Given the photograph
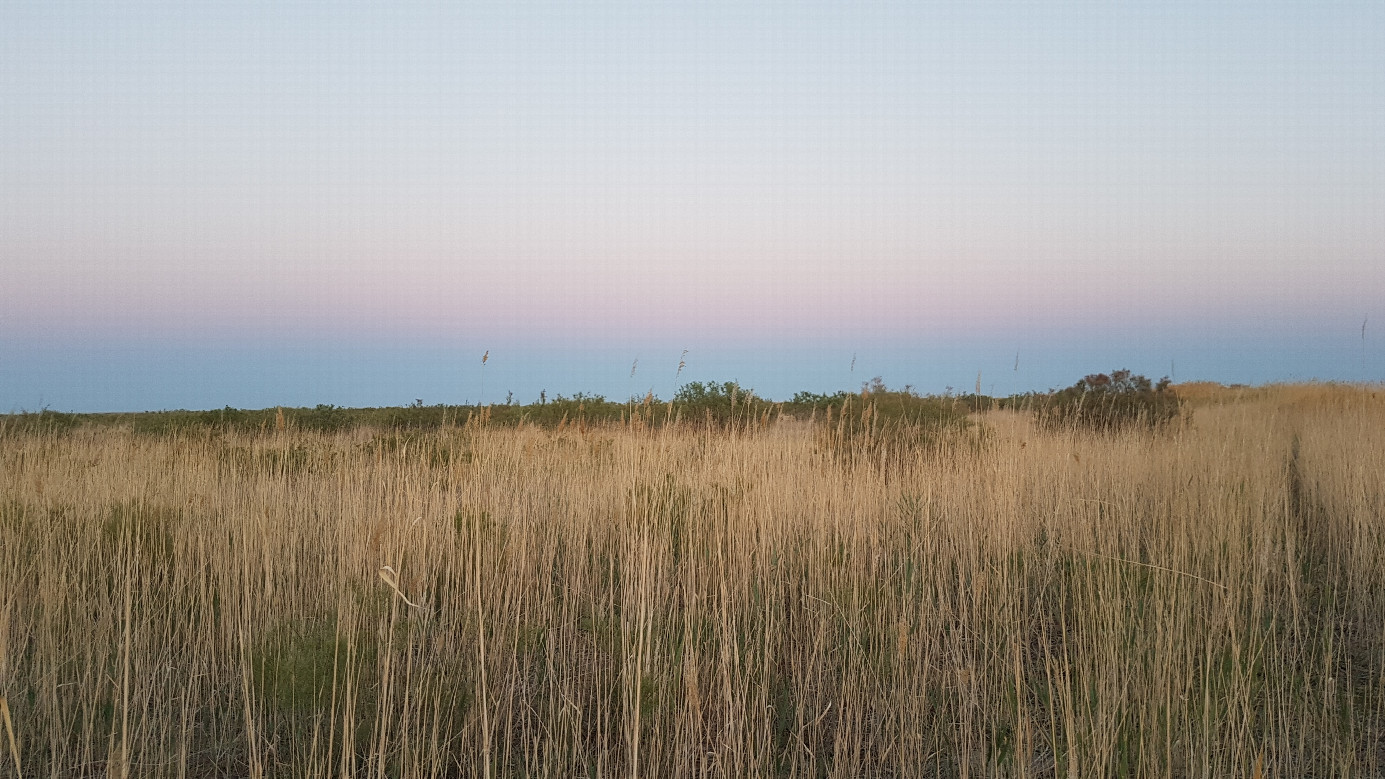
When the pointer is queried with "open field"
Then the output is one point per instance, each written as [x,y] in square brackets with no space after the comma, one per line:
[778,599]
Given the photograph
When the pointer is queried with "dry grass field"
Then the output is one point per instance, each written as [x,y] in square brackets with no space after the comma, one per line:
[611,601]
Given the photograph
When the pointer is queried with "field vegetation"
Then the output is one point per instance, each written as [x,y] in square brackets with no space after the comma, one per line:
[862,585]
[724,405]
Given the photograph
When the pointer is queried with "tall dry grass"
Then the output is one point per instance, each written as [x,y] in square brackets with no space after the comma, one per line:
[1005,601]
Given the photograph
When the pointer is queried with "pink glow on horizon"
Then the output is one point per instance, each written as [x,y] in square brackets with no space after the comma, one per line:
[758,303]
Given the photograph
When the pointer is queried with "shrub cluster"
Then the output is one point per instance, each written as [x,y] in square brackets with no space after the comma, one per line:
[1116,401]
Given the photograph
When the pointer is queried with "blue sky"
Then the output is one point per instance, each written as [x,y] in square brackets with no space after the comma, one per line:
[301,203]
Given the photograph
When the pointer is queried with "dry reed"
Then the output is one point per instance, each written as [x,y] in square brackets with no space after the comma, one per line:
[632,601]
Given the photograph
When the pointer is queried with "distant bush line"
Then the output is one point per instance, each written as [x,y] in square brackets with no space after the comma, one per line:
[1098,401]
[718,404]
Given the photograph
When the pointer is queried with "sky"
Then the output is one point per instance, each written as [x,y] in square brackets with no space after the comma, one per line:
[290,203]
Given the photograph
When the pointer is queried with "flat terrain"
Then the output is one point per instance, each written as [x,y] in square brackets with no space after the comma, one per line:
[778,599]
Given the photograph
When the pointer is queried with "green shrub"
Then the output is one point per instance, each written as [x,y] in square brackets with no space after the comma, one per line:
[819,399]
[1117,401]
[40,422]
[727,403]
